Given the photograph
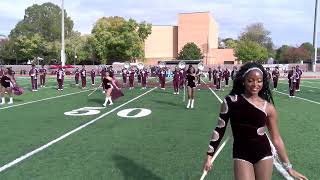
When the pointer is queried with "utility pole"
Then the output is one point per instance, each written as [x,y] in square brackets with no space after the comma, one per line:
[314,63]
[63,55]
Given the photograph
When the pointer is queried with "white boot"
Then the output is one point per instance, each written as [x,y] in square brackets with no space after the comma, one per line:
[192,103]
[189,101]
[11,100]
[3,101]
[106,101]
[110,100]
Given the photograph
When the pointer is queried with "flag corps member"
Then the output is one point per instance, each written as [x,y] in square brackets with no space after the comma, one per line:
[112,91]
[6,86]
[33,73]
[83,74]
[191,85]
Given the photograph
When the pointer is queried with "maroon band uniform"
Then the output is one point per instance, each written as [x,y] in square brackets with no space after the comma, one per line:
[292,76]
[162,78]
[76,76]
[83,74]
[182,74]
[218,77]
[144,77]
[93,76]
[176,81]
[124,75]
[299,73]
[275,77]
[33,73]
[226,75]
[131,78]
[43,73]
[210,74]
[60,79]
[139,76]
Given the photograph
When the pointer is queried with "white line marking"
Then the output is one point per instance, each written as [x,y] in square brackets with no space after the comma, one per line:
[16,105]
[21,158]
[298,97]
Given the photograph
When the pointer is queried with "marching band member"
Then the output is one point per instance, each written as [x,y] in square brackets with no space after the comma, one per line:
[299,71]
[109,85]
[43,73]
[131,77]
[33,73]
[6,86]
[60,78]
[226,76]
[234,72]
[83,74]
[144,77]
[138,72]
[76,76]
[124,76]
[162,78]
[103,74]
[218,77]
[214,74]
[198,73]
[250,110]
[191,79]
[275,77]
[93,77]
[176,80]
[210,74]
[293,76]
[182,74]
[111,72]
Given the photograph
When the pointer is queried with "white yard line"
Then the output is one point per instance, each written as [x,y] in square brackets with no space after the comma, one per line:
[315,102]
[43,147]
[45,99]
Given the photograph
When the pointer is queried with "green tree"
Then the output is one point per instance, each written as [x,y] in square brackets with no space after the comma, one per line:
[190,51]
[280,53]
[258,33]
[230,43]
[44,20]
[28,48]
[251,51]
[309,47]
[295,55]
[117,39]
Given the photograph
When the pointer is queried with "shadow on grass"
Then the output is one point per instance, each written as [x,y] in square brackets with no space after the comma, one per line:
[132,170]
[175,104]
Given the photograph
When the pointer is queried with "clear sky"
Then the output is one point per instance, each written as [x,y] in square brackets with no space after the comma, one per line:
[290,21]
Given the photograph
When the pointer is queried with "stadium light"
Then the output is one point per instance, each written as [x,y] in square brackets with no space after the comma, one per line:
[314,64]
[63,55]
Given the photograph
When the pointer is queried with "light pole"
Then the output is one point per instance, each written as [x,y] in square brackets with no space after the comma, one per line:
[314,64]
[63,55]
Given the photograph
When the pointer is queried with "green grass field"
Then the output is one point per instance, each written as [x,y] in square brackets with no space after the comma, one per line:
[168,144]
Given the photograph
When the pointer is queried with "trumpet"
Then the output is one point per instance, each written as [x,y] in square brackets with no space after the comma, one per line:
[162,64]
[182,64]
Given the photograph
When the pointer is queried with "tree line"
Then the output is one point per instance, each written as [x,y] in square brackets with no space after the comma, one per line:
[38,36]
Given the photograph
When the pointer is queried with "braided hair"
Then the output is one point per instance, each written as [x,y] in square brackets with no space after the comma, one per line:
[238,83]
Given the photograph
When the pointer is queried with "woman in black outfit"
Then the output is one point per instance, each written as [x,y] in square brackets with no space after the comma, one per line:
[250,110]
[6,86]
[191,79]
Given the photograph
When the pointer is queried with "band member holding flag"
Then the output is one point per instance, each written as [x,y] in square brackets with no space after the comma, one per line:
[176,80]
[6,86]
[275,77]
[249,108]
[191,79]
[43,73]
[33,73]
